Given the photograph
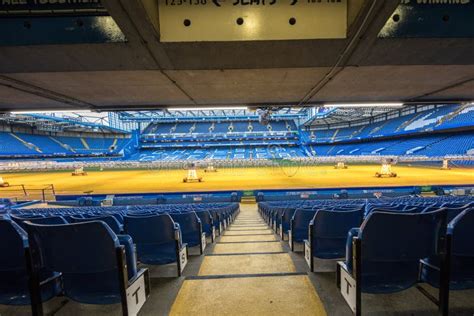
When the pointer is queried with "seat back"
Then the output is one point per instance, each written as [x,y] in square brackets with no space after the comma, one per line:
[45,220]
[455,211]
[300,224]
[206,221]
[462,228]
[401,237]
[74,248]
[190,226]
[13,241]
[154,237]
[51,220]
[330,230]
[85,254]
[108,219]
[286,218]
[392,245]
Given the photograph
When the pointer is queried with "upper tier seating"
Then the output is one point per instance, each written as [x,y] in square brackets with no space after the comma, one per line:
[436,145]
[32,145]
[434,119]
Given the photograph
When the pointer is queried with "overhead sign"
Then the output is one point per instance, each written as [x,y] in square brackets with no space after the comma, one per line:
[250,20]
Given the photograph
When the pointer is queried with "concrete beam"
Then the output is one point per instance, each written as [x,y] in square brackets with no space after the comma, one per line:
[141,29]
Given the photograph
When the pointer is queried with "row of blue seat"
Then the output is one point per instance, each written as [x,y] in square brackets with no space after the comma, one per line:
[402,242]
[83,253]
[292,218]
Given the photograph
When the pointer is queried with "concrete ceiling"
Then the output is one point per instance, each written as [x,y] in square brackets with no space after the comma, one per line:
[146,73]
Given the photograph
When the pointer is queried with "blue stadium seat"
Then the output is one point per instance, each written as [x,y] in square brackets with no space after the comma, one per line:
[13,269]
[328,234]
[44,220]
[158,240]
[299,226]
[91,262]
[383,256]
[207,224]
[191,229]
[460,231]
[110,220]
[286,217]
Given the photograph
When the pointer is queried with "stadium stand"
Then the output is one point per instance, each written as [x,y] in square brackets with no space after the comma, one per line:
[236,158]
[433,131]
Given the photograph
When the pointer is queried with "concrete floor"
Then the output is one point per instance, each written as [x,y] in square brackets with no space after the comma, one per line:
[249,282]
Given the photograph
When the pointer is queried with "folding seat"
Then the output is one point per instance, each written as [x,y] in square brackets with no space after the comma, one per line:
[207,224]
[383,255]
[275,219]
[113,223]
[299,226]
[218,227]
[285,221]
[91,263]
[13,269]
[328,234]
[461,259]
[158,240]
[50,220]
[455,211]
[191,229]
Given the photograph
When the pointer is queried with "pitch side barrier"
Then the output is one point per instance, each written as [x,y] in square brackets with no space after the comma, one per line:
[25,166]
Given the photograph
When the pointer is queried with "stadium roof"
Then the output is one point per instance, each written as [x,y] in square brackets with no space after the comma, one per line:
[426,59]
[347,114]
[356,115]
[218,113]
[50,123]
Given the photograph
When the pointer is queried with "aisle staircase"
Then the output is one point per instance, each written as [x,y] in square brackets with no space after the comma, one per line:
[408,122]
[85,144]
[249,271]
[27,144]
[63,145]
[249,199]
[334,135]
[357,132]
[378,128]
[452,115]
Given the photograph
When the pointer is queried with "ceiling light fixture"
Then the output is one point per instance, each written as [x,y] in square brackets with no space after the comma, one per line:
[208,108]
[364,105]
